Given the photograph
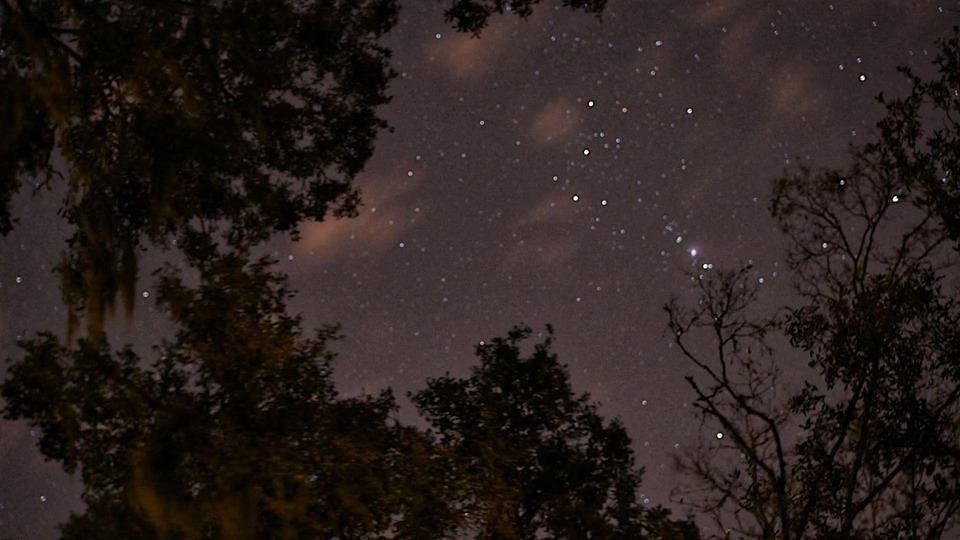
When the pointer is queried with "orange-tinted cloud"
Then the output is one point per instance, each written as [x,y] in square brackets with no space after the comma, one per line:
[711,12]
[554,119]
[543,247]
[556,252]
[541,252]
[551,208]
[382,220]
[469,57]
[794,91]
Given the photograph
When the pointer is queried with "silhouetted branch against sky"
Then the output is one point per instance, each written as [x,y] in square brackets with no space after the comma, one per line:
[869,445]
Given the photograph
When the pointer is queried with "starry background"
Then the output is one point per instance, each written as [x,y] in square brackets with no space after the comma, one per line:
[560,169]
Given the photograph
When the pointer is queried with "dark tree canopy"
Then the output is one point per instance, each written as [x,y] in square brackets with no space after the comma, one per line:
[920,138]
[233,430]
[538,459]
[473,15]
[240,118]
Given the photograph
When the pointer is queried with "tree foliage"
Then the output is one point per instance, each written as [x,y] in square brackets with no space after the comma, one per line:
[538,459]
[233,430]
[920,138]
[238,117]
[210,126]
[869,447]
[473,15]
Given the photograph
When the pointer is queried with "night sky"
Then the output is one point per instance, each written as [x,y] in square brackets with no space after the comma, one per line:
[560,169]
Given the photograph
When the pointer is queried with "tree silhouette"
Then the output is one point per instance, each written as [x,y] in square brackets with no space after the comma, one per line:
[870,445]
[238,118]
[233,430]
[919,136]
[172,118]
[537,459]
[473,15]
[208,127]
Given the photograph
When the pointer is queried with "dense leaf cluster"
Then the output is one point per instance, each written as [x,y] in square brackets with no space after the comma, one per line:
[473,15]
[538,459]
[164,120]
[234,430]
[238,119]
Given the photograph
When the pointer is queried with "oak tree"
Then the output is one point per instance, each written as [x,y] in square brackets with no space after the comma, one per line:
[233,429]
[537,458]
